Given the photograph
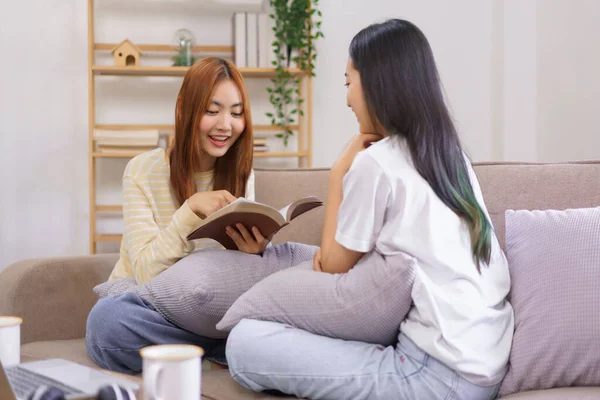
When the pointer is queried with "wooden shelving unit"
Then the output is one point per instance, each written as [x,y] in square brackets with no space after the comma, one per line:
[108,237]
[303,129]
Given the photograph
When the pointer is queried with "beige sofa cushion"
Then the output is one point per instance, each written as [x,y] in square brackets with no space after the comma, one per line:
[72,350]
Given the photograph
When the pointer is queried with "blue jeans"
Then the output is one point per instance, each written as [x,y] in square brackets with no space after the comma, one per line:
[119,327]
[265,356]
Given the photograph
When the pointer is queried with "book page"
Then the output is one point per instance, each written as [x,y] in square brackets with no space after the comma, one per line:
[284,211]
[299,207]
[242,200]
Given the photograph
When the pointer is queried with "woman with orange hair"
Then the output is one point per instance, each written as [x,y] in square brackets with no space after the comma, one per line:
[166,195]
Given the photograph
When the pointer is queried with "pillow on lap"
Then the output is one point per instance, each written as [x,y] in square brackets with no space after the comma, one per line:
[367,303]
[195,292]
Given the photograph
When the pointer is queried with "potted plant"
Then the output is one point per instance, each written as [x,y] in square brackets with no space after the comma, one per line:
[296,28]
[185,40]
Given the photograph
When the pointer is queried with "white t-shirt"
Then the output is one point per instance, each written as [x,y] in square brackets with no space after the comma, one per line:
[459,317]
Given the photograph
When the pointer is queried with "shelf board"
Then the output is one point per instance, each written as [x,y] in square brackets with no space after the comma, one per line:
[281,154]
[204,8]
[171,128]
[108,237]
[107,208]
[272,128]
[167,48]
[181,71]
[134,127]
[119,154]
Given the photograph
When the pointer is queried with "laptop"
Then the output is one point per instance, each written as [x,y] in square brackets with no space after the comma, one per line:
[17,382]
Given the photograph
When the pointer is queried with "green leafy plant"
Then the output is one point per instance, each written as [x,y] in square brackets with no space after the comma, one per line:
[296,26]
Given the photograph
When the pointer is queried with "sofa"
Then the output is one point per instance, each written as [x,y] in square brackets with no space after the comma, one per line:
[54,295]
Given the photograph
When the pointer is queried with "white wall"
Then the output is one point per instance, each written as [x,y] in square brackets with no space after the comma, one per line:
[520,77]
[460,35]
[517,107]
[43,121]
[568,80]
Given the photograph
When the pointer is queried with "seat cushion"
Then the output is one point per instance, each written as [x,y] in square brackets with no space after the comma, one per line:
[71,350]
[572,393]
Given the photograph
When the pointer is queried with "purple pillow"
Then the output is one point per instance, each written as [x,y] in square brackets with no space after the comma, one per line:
[554,260]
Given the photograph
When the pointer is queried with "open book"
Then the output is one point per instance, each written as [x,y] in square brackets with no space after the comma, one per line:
[267,219]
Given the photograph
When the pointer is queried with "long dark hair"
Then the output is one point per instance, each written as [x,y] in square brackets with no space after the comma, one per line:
[232,171]
[404,96]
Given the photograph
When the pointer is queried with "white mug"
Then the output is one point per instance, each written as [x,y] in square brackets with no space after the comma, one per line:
[10,340]
[172,371]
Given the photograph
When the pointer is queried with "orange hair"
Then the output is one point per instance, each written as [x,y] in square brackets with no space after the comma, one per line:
[233,169]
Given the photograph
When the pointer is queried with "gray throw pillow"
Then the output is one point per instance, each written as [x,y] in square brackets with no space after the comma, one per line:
[554,261]
[367,303]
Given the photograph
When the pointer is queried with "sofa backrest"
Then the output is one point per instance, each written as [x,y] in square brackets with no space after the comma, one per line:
[505,186]
[537,186]
[280,187]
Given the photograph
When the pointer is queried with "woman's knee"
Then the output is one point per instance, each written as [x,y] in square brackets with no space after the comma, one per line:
[248,332]
[108,340]
[97,329]
[104,321]
[113,322]
[251,340]
[241,351]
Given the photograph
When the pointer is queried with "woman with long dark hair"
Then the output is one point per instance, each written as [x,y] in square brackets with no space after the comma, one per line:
[405,185]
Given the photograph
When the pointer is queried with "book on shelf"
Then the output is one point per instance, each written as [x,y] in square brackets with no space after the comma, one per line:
[126,133]
[259,141]
[120,136]
[261,149]
[264,45]
[267,219]
[122,149]
[251,40]
[239,39]
[106,137]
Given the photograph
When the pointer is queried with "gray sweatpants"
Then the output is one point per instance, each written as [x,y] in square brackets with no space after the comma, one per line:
[271,356]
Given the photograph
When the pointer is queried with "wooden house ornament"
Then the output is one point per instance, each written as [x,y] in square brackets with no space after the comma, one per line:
[126,54]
